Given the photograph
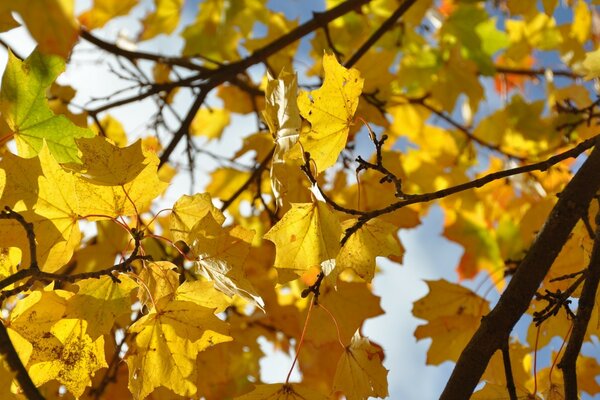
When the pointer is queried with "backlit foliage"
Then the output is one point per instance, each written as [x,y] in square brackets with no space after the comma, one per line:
[364,116]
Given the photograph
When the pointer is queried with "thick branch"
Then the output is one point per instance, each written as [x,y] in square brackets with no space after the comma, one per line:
[497,325]
[584,312]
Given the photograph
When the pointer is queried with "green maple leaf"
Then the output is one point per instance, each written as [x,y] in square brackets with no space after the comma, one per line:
[24,107]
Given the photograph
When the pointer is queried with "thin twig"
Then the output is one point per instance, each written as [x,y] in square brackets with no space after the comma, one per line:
[385,26]
[476,183]
[254,176]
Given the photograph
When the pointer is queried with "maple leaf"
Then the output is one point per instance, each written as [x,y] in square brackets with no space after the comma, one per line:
[220,253]
[351,303]
[330,111]
[187,211]
[282,391]
[163,20]
[45,195]
[51,23]
[166,345]
[103,11]
[481,247]
[204,294]
[454,314]
[130,198]
[74,360]
[375,238]
[62,349]
[24,107]
[306,236]
[360,372]
[283,118]
[105,164]
[210,123]
[100,301]
[160,279]
[591,64]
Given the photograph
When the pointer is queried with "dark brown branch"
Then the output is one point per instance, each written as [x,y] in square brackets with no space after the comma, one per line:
[227,72]
[315,288]
[6,347]
[254,176]
[183,128]
[11,357]
[510,381]
[426,197]
[36,275]
[584,312]
[556,301]
[497,325]
[139,55]
[535,72]
[8,213]
[308,172]
[385,26]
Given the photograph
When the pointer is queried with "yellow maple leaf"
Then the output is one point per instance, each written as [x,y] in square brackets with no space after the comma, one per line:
[163,20]
[330,110]
[204,294]
[306,236]
[220,254]
[282,391]
[360,372]
[454,314]
[44,194]
[72,361]
[373,239]
[166,345]
[62,349]
[125,199]
[351,303]
[108,165]
[481,248]
[100,301]
[105,10]
[159,279]
[187,211]
[9,261]
[283,118]
[51,23]
[210,123]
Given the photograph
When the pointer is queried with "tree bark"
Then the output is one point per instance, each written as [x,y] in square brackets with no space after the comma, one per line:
[498,324]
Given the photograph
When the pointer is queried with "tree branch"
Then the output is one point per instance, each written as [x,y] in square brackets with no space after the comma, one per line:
[584,312]
[426,197]
[14,362]
[227,72]
[510,382]
[513,303]
[255,174]
[385,26]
